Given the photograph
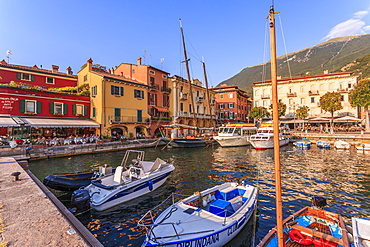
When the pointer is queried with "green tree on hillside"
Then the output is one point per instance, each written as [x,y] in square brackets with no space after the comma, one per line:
[360,96]
[281,109]
[258,113]
[331,102]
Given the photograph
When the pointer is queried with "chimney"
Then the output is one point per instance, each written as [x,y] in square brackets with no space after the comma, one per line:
[55,68]
[89,63]
[69,70]
[139,61]
[326,71]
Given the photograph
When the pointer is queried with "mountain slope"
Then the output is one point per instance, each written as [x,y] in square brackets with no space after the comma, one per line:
[331,55]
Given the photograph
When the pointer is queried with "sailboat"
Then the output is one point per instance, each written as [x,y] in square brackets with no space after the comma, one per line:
[310,226]
[179,138]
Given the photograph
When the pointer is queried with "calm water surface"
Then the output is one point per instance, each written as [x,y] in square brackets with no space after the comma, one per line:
[340,176]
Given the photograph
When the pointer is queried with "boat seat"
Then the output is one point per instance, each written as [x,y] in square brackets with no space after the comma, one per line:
[157,164]
[118,175]
[236,202]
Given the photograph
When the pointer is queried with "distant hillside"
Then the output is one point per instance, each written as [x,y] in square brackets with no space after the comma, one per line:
[336,54]
[360,66]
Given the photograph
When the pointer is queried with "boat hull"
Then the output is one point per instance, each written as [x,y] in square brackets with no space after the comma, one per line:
[363,146]
[232,141]
[186,143]
[342,145]
[267,144]
[361,234]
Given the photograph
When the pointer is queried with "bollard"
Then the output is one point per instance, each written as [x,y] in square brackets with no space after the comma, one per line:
[15,176]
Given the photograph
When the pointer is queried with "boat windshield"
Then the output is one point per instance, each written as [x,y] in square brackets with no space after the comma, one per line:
[237,132]
[266,131]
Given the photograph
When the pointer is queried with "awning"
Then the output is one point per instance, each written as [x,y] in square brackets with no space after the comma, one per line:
[59,122]
[161,109]
[7,122]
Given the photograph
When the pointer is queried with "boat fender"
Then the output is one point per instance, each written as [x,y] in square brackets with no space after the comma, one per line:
[297,236]
[190,204]
[150,184]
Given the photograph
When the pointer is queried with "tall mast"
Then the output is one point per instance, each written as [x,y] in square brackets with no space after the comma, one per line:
[207,91]
[188,73]
[275,118]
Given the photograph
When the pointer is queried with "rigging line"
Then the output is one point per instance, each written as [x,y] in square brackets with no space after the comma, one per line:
[286,53]
[264,62]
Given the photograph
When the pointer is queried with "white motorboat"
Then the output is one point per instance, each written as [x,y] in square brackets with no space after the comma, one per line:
[127,182]
[264,139]
[233,135]
[341,145]
[361,232]
[363,146]
[208,218]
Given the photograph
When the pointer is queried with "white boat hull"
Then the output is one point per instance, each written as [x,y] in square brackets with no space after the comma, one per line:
[361,233]
[232,141]
[267,144]
[341,145]
[364,146]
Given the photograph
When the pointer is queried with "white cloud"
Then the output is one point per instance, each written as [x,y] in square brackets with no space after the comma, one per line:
[352,26]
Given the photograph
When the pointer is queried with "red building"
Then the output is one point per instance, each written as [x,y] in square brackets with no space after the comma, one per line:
[232,104]
[31,106]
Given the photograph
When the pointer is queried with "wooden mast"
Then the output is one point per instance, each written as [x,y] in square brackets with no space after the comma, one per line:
[188,73]
[275,118]
[207,91]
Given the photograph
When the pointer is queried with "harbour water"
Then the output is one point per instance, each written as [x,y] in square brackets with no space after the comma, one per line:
[343,177]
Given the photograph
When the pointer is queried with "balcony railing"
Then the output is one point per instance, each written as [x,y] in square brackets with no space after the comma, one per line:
[161,118]
[315,92]
[183,96]
[342,90]
[166,90]
[154,87]
[292,94]
[125,119]
[265,97]
[199,99]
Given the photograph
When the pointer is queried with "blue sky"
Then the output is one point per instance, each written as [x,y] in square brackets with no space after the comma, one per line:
[230,35]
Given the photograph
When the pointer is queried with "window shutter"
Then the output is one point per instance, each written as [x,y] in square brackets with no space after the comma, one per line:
[51,108]
[142,94]
[22,105]
[65,108]
[94,112]
[121,91]
[112,90]
[85,110]
[19,76]
[32,77]
[73,109]
[38,107]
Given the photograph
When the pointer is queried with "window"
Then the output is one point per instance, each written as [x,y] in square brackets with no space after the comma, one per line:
[49,80]
[152,99]
[117,114]
[256,104]
[139,94]
[116,90]
[93,112]
[26,77]
[291,102]
[231,105]
[221,96]
[222,115]
[152,80]
[182,107]
[231,115]
[152,72]
[221,106]
[58,108]
[164,76]
[79,109]
[190,108]
[264,103]
[349,85]
[85,78]
[166,100]
[30,106]
[313,100]
[94,91]
[231,95]
[302,101]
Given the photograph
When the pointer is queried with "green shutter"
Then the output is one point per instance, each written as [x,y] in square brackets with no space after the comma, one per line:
[22,105]
[142,94]
[73,109]
[139,116]
[32,77]
[112,90]
[19,76]
[94,112]
[51,108]
[38,106]
[121,91]
[85,110]
[65,109]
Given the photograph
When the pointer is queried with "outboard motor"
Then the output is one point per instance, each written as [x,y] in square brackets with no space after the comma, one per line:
[319,202]
[81,200]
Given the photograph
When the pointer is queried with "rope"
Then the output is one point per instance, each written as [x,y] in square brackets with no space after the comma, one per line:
[167,144]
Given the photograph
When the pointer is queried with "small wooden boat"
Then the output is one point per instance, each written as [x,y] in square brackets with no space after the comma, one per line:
[129,181]
[341,145]
[323,144]
[303,143]
[361,232]
[208,218]
[311,226]
[74,181]
[363,146]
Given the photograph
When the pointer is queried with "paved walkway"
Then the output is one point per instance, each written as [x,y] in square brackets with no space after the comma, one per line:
[30,218]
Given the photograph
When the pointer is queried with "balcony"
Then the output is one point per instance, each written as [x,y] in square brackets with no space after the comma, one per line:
[154,87]
[199,100]
[291,94]
[164,119]
[127,120]
[183,96]
[213,102]
[342,90]
[166,90]
[312,93]
[266,97]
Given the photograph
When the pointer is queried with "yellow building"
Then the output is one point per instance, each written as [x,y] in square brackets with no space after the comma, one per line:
[182,110]
[119,104]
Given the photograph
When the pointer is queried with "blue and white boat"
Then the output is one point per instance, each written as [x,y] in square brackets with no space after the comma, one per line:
[361,232]
[302,143]
[130,180]
[323,144]
[208,218]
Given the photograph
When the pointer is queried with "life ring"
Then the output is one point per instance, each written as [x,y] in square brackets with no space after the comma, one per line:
[297,236]
[190,204]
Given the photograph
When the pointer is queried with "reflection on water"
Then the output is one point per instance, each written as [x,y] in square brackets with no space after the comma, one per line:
[340,176]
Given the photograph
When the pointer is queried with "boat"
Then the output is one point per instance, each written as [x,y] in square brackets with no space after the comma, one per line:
[342,145]
[310,226]
[302,143]
[232,135]
[363,146]
[73,181]
[323,144]
[361,233]
[208,218]
[130,180]
[264,139]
